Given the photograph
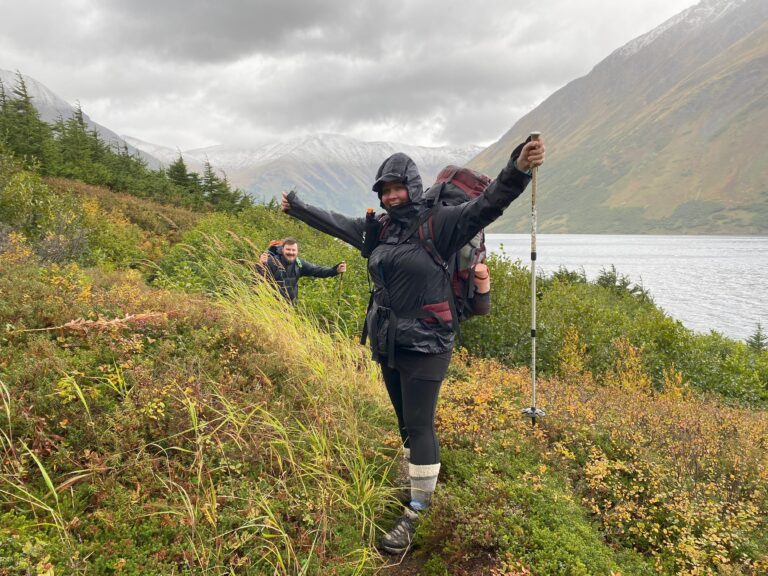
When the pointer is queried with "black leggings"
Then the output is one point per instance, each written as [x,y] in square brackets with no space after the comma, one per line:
[413,386]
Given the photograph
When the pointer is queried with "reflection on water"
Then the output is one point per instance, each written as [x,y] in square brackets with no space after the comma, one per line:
[707,282]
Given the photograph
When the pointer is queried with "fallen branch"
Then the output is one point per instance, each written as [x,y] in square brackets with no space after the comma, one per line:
[83,326]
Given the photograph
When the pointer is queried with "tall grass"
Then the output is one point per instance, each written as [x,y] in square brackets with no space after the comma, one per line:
[285,474]
[324,446]
[14,466]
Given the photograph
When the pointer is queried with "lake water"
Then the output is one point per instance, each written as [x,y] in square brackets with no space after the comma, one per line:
[707,282]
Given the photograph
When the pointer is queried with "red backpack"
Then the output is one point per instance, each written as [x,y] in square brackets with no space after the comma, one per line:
[467,180]
[455,185]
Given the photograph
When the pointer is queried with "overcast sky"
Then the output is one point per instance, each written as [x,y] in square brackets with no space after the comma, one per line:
[194,73]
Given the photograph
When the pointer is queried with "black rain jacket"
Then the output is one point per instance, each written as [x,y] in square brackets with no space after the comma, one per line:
[286,275]
[412,300]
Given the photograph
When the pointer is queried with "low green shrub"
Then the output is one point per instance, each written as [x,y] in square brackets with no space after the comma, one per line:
[65,227]
[602,313]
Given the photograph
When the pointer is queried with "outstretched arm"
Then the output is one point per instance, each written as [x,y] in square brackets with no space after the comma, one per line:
[457,225]
[349,230]
[317,271]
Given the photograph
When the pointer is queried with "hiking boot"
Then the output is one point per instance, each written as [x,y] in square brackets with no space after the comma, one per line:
[399,539]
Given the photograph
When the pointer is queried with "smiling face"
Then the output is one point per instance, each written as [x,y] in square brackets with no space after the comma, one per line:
[290,252]
[393,194]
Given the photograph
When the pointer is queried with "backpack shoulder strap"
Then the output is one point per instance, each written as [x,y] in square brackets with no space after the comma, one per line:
[433,193]
[427,238]
[384,222]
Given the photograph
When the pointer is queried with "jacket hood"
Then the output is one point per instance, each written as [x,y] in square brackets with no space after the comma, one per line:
[400,168]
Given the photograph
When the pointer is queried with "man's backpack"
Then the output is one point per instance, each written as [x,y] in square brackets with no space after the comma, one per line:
[453,186]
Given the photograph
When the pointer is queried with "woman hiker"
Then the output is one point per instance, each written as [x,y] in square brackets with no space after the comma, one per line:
[410,322]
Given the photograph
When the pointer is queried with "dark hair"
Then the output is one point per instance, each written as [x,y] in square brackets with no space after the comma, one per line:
[290,241]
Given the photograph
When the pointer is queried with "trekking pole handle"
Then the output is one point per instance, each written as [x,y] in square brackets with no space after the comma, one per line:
[534,136]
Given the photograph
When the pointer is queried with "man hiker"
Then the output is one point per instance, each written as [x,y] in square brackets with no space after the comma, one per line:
[281,262]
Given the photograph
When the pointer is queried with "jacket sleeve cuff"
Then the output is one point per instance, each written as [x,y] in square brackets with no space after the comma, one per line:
[292,198]
[513,177]
[529,172]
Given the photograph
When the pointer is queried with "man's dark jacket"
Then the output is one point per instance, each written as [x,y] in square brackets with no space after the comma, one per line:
[412,298]
[286,275]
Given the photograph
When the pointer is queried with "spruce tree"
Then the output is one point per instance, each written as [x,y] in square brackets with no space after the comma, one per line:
[187,182]
[210,181]
[3,111]
[219,193]
[25,132]
[178,174]
[74,142]
[758,340]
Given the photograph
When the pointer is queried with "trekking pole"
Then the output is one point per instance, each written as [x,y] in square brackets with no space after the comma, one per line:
[533,412]
[338,297]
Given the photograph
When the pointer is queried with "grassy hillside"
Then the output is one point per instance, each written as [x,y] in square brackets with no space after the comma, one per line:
[163,413]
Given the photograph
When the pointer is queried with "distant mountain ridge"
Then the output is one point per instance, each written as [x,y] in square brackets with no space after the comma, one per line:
[666,135]
[329,170]
[51,107]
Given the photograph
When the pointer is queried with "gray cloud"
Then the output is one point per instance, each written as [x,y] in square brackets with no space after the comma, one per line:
[191,73]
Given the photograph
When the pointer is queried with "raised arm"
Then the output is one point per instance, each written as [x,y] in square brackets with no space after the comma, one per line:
[317,271]
[267,265]
[349,230]
[457,225]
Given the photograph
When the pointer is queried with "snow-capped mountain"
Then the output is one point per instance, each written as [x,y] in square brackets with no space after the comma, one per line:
[665,135]
[329,170]
[329,148]
[51,107]
[165,156]
[698,15]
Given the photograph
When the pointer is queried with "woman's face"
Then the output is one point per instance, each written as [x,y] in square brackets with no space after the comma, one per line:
[393,194]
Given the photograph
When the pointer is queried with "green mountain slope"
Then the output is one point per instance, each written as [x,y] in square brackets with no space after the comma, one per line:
[666,135]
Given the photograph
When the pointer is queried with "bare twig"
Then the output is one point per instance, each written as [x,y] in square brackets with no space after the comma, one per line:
[84,326]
